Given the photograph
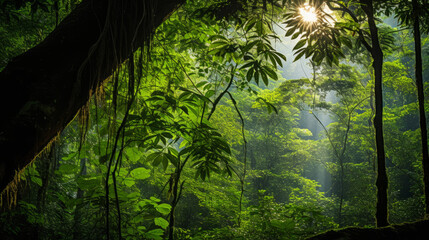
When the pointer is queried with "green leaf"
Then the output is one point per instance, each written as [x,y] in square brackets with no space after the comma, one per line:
[155,158]
[280,55]
[173,159]
[129,182]
[154,199]
[161,222]
[133,154]
[247,65]
[167,135]
[271,73]
[256,76]
[295,35]
[133,196]
[68,169]
[185,150]
[140,173]
[86,183]
[277,56]
[219,44]
[300,44]
[185,94]
[200,84]
[264,77]
[347,42]
[209,93]
[273,60]
[217,37]
[271,107]
[164,161]
[249,74]
[249,46]
[290,32]
[155,234]
[36,180]
[299,56]
[184,109]
[249,25]
[163,208]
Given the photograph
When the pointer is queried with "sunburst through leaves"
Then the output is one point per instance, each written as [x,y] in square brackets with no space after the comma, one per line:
[308,13]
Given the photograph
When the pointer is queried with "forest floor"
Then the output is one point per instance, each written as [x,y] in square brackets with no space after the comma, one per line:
[406,231]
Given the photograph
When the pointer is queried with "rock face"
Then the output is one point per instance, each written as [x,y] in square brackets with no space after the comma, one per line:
[406,231]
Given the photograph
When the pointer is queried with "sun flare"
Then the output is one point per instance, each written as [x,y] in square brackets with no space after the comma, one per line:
[308,13]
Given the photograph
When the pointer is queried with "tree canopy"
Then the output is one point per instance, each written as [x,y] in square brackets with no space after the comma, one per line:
[226,119]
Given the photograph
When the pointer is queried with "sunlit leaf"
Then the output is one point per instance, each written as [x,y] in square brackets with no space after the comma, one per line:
[140,173]
[161,222]
[163,208]
[300,44]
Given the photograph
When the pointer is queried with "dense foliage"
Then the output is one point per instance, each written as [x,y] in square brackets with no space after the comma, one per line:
[212,133]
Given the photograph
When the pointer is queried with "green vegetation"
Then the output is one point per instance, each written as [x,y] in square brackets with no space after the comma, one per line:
[211,131]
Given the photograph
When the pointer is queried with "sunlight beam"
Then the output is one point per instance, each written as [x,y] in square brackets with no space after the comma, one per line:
[308,13]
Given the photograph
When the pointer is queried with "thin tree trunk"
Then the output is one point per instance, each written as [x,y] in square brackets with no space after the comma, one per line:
[421,98]
[175,181]
[377,56]
[341,161]
[43,89]
[176,193]
[78,211]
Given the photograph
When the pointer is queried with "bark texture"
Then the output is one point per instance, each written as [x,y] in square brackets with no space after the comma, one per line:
[381,214]
[421,98]
[43,89]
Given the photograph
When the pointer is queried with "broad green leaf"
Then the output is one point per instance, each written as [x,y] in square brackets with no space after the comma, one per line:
[249,45]
[167,135]
[271,73]
[87,183]
[133,195]
[133,154]
[164,161]
[185,150]
[209,93]
[155,234]
[163,208]
[129,182]
[155,158]
[161,222]
[140,173]
[36,180]
[173,159]
[69,169]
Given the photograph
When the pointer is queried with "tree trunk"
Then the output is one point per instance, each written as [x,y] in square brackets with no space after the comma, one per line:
[44,88]
[77,218]
[377,56]
[421,98]
[175,182]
